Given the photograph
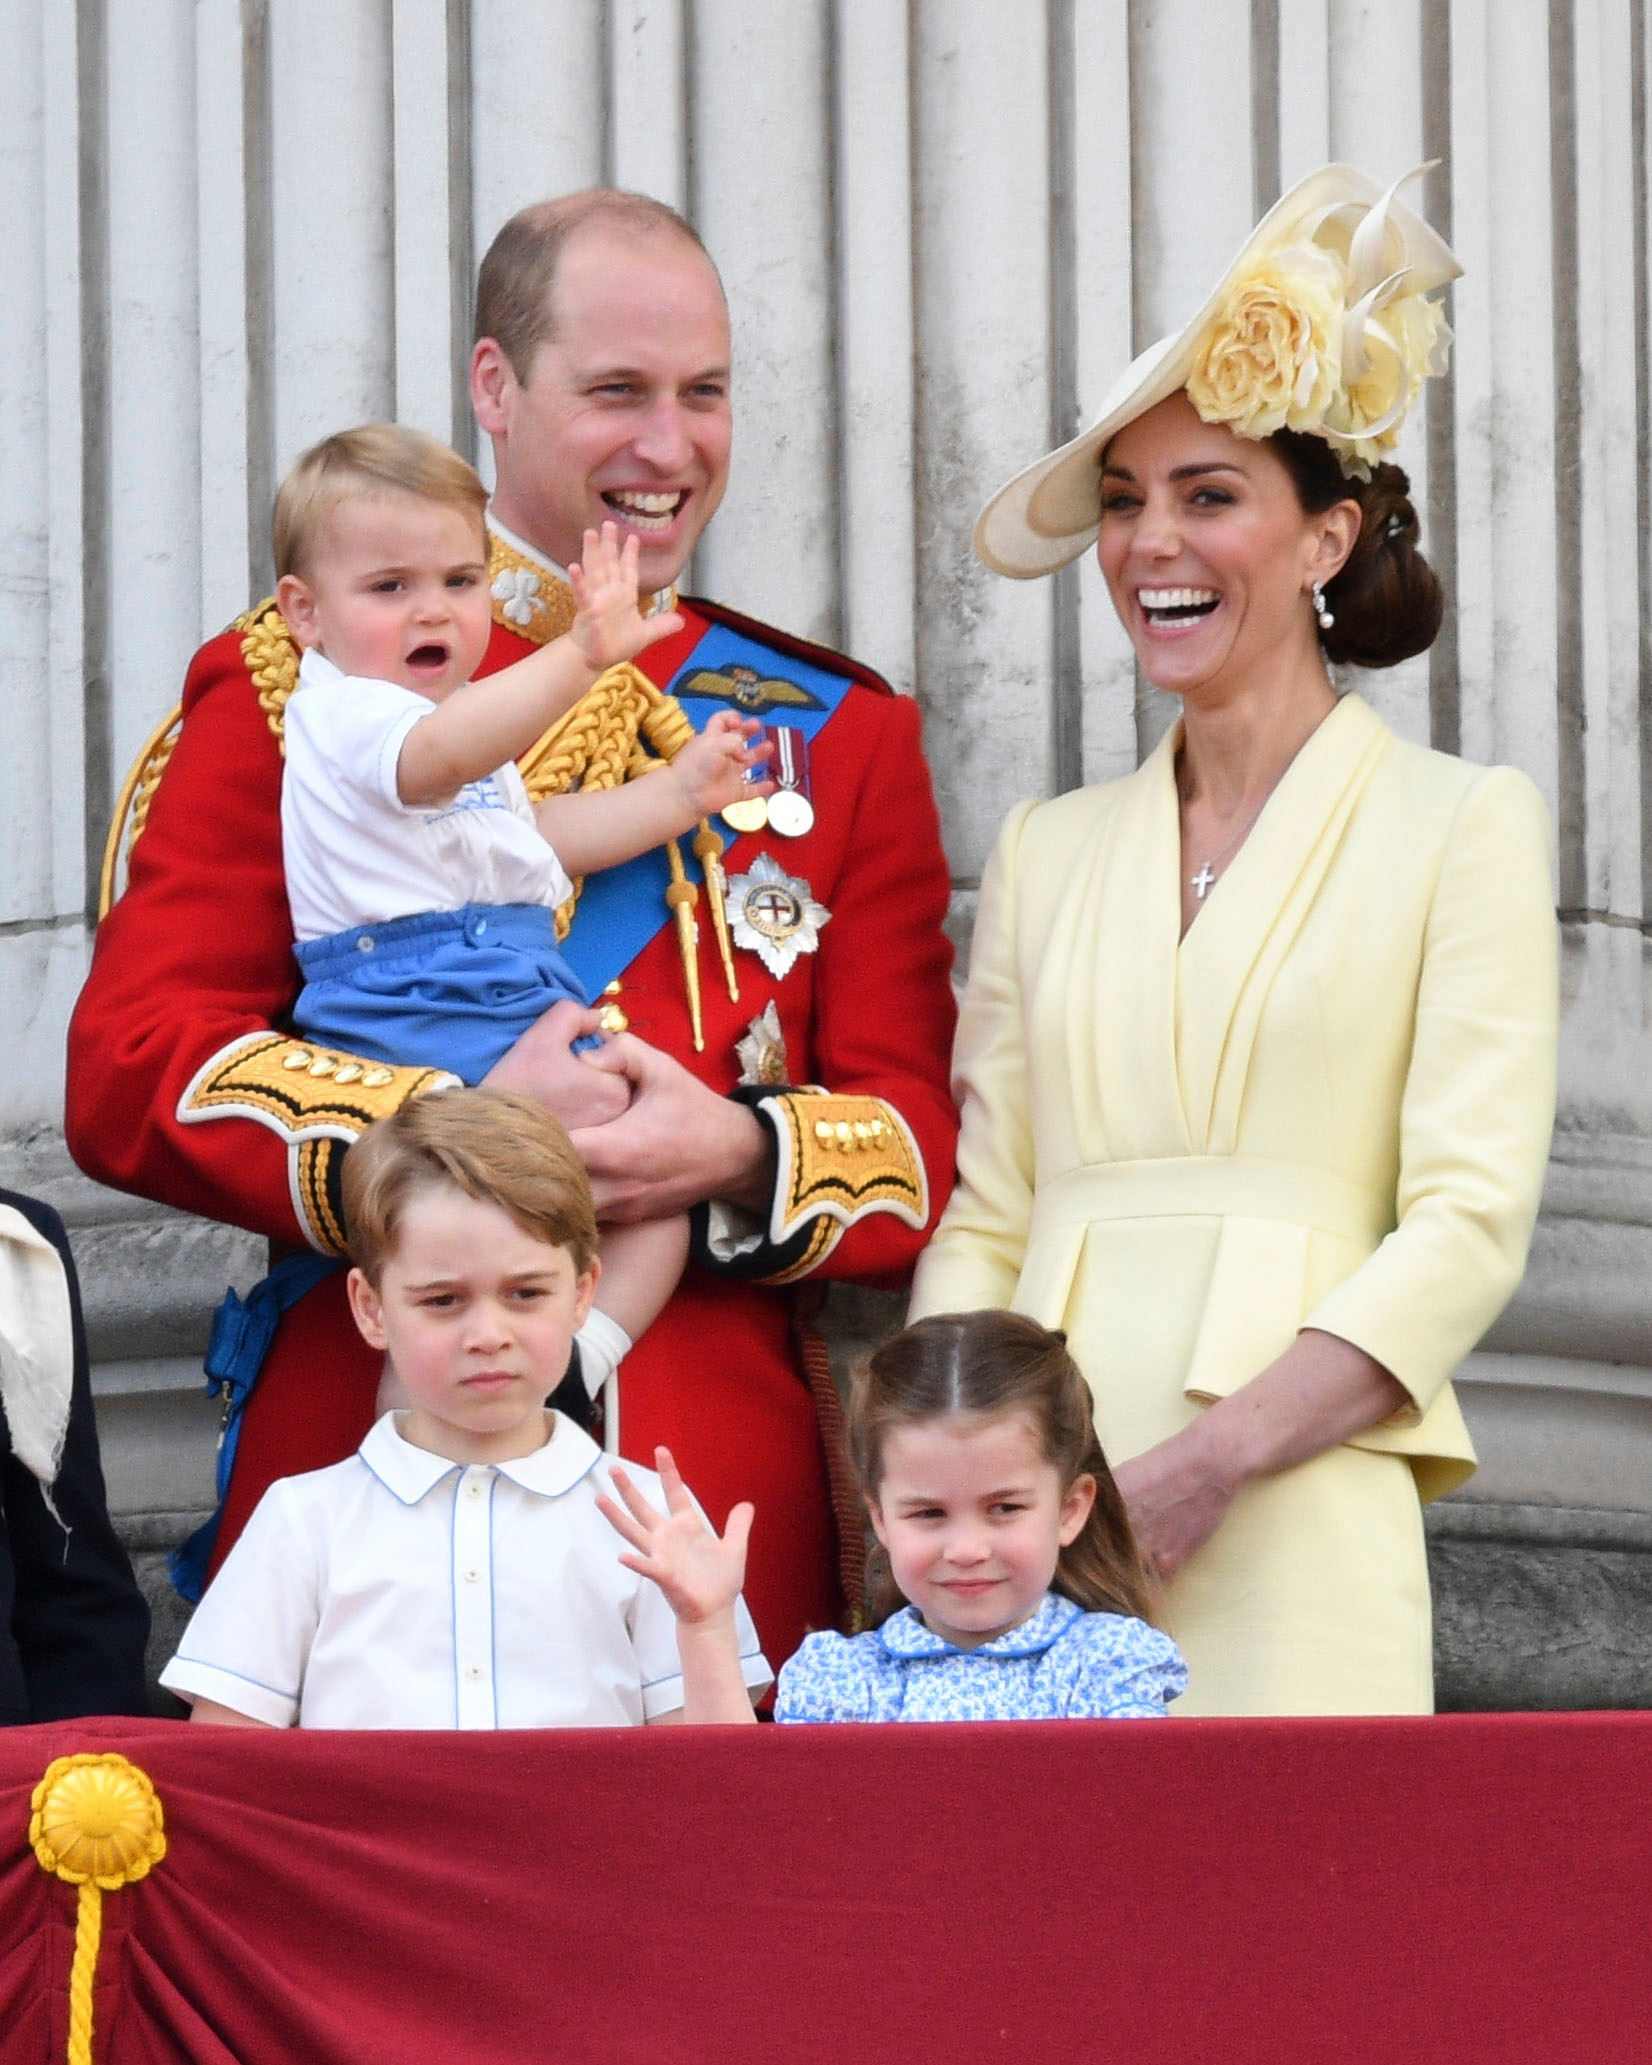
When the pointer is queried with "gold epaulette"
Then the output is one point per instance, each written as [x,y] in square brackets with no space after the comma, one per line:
[317,1099]
[132,804]
[271,657]
[840,1159]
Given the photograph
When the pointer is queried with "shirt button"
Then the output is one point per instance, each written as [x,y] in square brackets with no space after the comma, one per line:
[473,1490]
[473,1670]
[472,1576]
[366,943]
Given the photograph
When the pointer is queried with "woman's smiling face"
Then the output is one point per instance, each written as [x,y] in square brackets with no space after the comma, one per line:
[1208,553]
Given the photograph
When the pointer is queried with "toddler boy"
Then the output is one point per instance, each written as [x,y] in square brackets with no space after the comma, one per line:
[458,1571]
[423,884]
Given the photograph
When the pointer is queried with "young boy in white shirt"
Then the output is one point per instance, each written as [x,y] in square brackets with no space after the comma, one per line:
[458,1570]
[423,884]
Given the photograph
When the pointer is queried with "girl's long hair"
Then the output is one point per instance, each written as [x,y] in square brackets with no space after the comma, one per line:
[984,1365]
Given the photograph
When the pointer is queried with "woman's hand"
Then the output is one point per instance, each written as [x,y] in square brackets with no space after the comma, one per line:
[1321,1391]
[1175,1503]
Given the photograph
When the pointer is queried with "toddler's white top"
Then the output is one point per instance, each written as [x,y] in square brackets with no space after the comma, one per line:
[398,1589]
[355,854]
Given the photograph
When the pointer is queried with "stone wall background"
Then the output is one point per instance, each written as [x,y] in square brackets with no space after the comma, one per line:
[234,225]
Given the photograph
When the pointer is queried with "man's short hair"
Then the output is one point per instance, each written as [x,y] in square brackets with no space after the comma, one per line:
[366,461]
[515,288]
[497,1147]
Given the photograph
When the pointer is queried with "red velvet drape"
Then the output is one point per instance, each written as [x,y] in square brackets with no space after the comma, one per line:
[1466,1889]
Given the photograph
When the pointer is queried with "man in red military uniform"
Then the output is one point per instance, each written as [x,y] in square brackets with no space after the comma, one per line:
[807,1118]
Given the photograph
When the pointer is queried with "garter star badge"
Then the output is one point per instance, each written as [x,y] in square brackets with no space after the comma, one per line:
[774,915]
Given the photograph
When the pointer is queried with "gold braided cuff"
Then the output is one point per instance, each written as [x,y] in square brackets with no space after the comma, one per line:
[316,1099]
[840,1159]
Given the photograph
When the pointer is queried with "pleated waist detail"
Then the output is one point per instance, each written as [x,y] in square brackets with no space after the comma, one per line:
[1212,1186]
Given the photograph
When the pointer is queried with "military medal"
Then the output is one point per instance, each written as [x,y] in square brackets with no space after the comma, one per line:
[774,915]
[791,814]
[750,814]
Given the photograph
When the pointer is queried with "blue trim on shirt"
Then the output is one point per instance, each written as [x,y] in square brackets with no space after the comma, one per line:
[379,1477]
[493,1599]
[453,1592]
[223,1670]
[1031,1637]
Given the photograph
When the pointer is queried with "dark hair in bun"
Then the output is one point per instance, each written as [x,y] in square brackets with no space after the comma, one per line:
[1386,600]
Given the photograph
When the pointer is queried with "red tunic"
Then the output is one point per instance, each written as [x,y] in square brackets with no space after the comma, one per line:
[171,1093]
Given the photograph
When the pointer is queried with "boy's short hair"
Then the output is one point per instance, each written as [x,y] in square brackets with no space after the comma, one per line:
[366,461]
[492,1145]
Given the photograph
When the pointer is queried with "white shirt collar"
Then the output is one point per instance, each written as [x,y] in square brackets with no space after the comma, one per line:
[529,552]
[314,667]
[409,1473]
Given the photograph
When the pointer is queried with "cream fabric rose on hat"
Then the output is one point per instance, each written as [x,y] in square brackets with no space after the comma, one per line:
[1397,352]
[1270,359]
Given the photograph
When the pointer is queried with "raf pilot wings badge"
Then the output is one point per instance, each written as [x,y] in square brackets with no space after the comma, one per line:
[747,690]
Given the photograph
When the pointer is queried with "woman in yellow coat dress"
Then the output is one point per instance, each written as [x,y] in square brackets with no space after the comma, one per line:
[1257,1057]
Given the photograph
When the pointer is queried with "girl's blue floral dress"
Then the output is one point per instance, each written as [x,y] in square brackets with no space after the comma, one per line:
[1062,1664]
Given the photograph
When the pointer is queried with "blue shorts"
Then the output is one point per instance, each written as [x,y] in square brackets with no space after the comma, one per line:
[443,989]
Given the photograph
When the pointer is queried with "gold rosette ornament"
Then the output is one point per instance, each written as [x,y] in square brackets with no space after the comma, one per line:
[96,1823]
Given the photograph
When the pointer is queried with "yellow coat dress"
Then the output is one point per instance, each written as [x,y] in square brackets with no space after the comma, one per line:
[1328,1106]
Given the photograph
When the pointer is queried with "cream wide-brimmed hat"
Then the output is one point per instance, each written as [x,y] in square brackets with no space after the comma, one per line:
[1320,324]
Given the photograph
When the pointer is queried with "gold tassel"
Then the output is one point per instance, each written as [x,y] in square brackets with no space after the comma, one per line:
[708,851]
[682,896]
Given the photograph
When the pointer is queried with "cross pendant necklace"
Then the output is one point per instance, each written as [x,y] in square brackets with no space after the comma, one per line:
[1205,880]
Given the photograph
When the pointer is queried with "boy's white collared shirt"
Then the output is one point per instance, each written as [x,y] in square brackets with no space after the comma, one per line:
[398,1589]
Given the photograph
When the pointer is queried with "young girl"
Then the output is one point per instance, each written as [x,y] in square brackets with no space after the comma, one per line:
[998,1523]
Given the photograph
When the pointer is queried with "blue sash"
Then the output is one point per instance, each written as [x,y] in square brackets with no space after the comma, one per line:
[622,908]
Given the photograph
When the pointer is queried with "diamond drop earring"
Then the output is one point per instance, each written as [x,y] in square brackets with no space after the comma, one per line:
[1322,609]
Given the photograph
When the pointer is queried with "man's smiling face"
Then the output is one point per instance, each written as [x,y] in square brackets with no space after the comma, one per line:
[624,416]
